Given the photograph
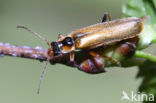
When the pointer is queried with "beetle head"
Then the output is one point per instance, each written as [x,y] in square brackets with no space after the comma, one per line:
[56,49]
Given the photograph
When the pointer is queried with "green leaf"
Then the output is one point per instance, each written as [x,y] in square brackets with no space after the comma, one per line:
[147,37]
[139,8]
[150,10]
[143,8]
[147,70]
[134,8]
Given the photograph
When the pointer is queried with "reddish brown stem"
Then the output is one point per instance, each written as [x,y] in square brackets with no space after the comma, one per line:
[24,51]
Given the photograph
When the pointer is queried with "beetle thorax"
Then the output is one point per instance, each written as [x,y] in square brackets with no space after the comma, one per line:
[66,45]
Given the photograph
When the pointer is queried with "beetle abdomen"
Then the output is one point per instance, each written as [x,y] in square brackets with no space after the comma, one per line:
[111,32]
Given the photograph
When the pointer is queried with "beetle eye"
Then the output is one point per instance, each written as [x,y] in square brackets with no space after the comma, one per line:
[67,41]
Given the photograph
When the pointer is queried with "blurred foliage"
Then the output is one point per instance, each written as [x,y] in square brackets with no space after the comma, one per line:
[147,71]
[147,9]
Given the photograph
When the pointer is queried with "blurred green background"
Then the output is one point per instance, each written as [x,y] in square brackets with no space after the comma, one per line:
[19,77]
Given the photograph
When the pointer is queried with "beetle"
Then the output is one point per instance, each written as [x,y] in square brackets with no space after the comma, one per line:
[105,33]
[102,34]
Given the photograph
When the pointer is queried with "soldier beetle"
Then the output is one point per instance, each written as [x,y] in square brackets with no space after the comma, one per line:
[98,35]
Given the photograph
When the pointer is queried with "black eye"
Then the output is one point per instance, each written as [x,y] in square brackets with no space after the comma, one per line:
[67,41]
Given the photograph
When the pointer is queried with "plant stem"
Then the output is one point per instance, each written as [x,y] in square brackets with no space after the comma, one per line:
[24,52]
[141,54]
[154,40]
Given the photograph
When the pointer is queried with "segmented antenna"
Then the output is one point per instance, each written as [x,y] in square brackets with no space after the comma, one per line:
[41,77]
[36,34]
[45,67]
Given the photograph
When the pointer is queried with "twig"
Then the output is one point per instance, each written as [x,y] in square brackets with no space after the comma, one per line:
[24,51]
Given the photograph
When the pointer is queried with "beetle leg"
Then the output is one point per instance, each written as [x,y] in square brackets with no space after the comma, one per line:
[72,57]
[111,59]
[106,17]
[60,36]
[93,54]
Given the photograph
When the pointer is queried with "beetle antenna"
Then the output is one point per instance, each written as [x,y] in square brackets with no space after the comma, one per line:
[41,77]
[36,34]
